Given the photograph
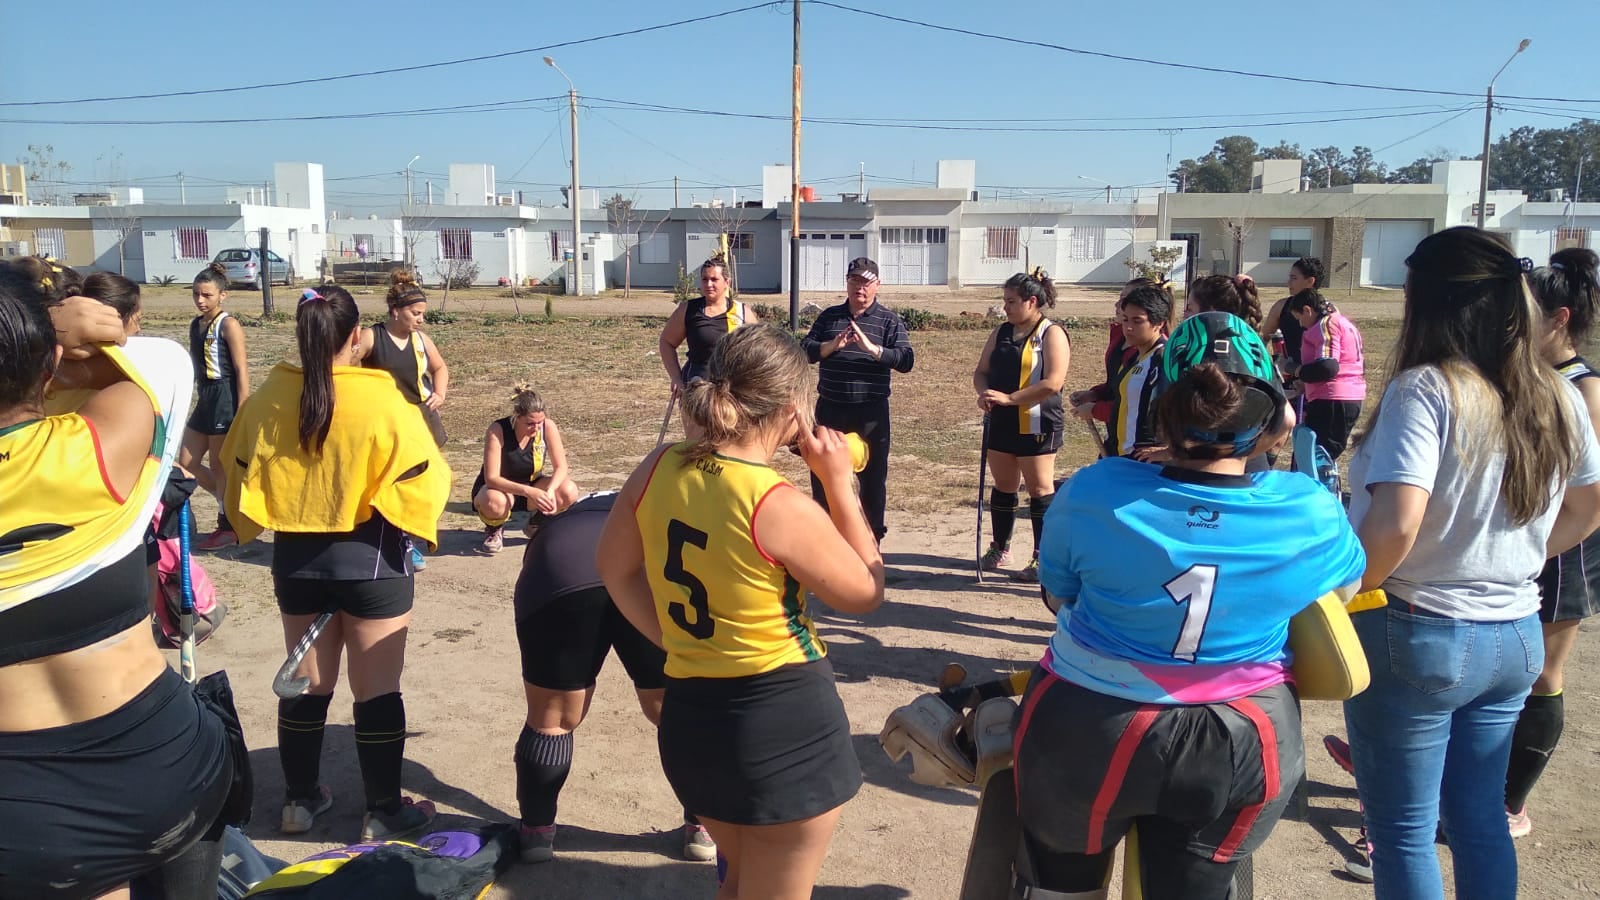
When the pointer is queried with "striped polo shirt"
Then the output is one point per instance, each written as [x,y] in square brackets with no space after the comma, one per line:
[851,375]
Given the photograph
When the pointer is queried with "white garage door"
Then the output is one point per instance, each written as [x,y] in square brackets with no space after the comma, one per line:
[1384,248]
[824,257]
[913,255]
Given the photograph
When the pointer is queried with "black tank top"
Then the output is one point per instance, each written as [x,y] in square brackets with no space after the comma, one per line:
[209,350]
[520,464]
[560,558]
[1293,332]
[1014,365]
[408,364]
[705,331]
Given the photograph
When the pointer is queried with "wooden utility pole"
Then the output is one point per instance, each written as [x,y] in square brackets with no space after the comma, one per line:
[794,185]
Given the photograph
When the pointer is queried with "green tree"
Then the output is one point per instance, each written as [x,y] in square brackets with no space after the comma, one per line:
[1327,167]
[1536,160]
[1224,170]
[1419,170]
[1361,167]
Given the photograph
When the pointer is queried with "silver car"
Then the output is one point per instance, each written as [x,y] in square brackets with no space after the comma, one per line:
[244,267]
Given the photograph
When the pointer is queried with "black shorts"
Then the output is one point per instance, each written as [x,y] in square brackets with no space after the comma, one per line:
[1004,440]
[214,407]
[1569,586]
[89,806]
[759,750]
[518,503]
[435,424]
[565,640]
[1332,421]
[1223,772]
[384,598]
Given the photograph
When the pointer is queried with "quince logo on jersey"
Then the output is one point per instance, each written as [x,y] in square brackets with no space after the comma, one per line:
[1201,517]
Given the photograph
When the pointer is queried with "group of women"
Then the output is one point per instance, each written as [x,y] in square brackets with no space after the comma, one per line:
[1167,680]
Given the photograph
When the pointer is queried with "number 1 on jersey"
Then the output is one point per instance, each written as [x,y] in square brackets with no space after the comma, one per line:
[1195,587]
[678,534]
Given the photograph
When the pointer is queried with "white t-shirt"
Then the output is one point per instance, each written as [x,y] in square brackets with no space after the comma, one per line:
[1470,561]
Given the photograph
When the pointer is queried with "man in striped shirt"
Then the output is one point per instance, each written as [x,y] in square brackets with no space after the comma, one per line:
[856,344]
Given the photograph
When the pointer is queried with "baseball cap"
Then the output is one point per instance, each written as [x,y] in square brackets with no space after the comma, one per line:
[862,267]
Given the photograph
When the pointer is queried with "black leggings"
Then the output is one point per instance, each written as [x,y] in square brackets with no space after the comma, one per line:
[871,421]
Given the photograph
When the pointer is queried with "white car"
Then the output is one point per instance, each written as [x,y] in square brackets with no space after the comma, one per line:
[244,267]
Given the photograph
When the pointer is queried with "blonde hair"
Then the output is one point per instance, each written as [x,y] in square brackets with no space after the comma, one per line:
[404,289]
[756,374]
[525,401]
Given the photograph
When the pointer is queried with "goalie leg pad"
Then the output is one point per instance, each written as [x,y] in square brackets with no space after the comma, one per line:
[993,723]
[926,728]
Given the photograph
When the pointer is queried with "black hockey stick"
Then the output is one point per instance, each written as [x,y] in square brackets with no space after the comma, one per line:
[983,470]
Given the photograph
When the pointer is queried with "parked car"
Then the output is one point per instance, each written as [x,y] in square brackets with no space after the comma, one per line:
[244,267]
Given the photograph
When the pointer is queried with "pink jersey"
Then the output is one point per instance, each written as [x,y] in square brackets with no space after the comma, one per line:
[1335,337]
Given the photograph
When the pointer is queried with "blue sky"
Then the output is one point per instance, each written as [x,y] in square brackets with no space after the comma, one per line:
[855,67]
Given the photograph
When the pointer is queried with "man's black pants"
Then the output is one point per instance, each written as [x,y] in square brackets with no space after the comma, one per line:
[871,421]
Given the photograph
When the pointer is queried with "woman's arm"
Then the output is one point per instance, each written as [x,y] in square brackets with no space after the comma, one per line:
[1579,504]
[556,453]
[833,554]
[980,375]
[365,348]
[493,443]
[751,317]
[1390,529]
[233,333]
[673,334]
[438,372]
[619,556]
[124,425]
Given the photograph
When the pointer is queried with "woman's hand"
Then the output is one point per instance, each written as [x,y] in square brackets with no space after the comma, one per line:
[1084,411]
[546,503]
[82,322]
[992,398]
[1157,454]
[828,456]
[434,401]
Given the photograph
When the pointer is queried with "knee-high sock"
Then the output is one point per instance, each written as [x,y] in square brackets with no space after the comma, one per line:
[301,721]
[1002,516]
[380,748]
[543,761]
[1037,507]
[1535,739]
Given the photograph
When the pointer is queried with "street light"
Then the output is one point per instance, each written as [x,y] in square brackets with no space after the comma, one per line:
[572,101]
[1488,115]
[1100,181]
[408,181]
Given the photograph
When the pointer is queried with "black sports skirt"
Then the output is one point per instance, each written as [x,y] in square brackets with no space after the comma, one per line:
[759,750]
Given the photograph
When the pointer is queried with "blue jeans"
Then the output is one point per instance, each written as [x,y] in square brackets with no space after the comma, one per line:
[1430,740]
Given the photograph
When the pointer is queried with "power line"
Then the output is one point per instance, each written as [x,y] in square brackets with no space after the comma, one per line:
[1173,65]
[458,109]
[391,71]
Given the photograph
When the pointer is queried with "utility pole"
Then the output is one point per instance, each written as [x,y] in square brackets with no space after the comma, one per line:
[674,192]
[794,184]
[577,224]
[408,181]
[861,183]
[1488,116]
[183,198]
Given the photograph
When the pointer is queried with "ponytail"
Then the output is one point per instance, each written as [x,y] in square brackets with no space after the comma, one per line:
[322,324]
[214,274]
[1035,285]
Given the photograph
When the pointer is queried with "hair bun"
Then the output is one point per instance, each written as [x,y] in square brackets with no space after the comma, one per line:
[402,277]
[217,267]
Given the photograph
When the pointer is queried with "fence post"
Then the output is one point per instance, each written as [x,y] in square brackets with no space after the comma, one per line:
[266,273]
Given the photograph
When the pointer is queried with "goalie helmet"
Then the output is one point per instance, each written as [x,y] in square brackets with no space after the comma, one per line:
[1228,342]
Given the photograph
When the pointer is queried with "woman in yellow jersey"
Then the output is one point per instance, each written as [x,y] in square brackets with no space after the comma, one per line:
[330,457]
[1018,380]
[710,553]
[111,769]
[701,323]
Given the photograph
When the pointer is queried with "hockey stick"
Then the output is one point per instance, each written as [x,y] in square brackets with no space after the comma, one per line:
[286,684]
[671,402]
[1099,442]
[983,470]
[186,601]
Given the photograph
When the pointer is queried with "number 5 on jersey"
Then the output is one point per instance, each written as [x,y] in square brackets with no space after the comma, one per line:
[703,626]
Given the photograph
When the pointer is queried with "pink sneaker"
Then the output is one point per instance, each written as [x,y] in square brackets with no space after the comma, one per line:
[1518,823]
[1340,752]
[216,540]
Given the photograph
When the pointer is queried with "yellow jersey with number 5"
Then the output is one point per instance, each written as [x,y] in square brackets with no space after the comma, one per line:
[727,609]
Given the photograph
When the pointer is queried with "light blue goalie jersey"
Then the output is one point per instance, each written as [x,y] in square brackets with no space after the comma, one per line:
[1180,585]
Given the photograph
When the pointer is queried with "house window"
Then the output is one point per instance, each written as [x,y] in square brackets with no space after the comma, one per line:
[1571,237]
[938,235]
[888,235]
[654,248]
[560,244]
[743,245]
[51,242]
[1000,242]
[1087,242]
[455,243]
[1289,243]
[192,243]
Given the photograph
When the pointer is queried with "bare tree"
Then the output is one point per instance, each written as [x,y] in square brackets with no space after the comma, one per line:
[727,220]
[46,175]
[125,224]
[455,274]
[631,227]
[1237,229]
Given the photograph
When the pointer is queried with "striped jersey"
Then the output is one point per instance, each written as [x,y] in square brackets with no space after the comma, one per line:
[703,331]
[1179,585]
[851,375]
[1569,584]
[1133,395]
[408,363]
[1016,364]
[727,609]
[1335,337]
[209,349]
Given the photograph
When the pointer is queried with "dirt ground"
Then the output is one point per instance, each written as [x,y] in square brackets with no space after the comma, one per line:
[598,370]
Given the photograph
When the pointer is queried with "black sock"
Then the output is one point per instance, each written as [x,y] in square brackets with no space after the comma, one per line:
[380,748]
[301,721]
[1538,731]
[543,761]
[222,521]
[1002,516]
[690,818]
[1037,507]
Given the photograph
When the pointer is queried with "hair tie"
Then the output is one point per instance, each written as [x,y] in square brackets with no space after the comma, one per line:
[308,295]
[45,283]
[1520,265]
[1038,273]
[1559,267]
[1241,279]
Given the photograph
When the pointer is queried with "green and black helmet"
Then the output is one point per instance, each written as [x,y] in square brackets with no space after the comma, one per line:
[1228,342]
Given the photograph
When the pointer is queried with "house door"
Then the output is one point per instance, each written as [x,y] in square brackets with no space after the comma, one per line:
[1384,248]
[1191,240]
